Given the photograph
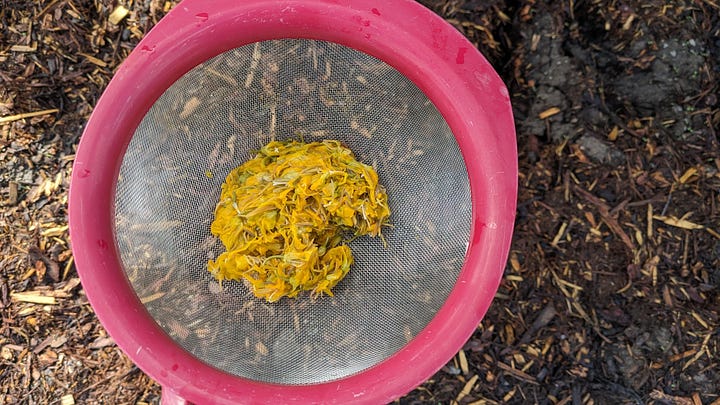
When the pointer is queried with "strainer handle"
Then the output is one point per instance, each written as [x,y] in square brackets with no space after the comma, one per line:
[170,397]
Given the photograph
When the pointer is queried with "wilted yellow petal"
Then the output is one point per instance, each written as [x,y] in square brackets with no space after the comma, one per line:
[281,216]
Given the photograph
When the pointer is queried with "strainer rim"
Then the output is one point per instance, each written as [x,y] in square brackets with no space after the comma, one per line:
[419,44]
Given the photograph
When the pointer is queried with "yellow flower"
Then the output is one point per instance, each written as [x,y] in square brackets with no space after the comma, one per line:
[282,216]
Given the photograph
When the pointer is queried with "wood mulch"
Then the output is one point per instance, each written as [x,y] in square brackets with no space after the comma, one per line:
[611,291]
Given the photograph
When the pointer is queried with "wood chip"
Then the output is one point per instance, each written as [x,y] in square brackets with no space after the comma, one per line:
[678,222]
[699,353]
[229,79]
[514,262]
[566,283]
[42,345]
[510,394]
[58,341]
[661,396]
[68,399]
[565,400]
[518,374]
[100,342]
[94,60]
[467,388]
[12,193]
[54,231]
[713,232]
[261,349]
[604,211]
[549,113]
[628,23]
[24,48]
[118,14]
[682,355]
[6,353]
[462,359]
[16,117]
[543,319]
[587,318]
[53,341]
[72,283]
[687,175]
[253,65]
[667,297]
[613,135]
[33,298]
[483,401]
[151,298]
[559,235]
[189,107]
[155,226]
[699,319]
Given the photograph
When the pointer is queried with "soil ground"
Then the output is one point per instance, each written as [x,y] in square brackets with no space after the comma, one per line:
[610,295]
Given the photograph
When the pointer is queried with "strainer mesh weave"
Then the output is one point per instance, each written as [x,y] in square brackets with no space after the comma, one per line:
[209,122]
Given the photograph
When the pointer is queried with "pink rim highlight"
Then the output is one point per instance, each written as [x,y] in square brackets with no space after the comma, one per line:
[419,44]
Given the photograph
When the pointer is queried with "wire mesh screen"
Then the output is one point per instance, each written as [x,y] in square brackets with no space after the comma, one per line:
[209,122]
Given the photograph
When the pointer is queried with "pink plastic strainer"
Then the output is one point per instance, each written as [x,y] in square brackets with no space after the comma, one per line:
[214,81]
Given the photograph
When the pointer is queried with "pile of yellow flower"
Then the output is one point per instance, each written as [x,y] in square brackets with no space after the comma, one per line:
[282,215]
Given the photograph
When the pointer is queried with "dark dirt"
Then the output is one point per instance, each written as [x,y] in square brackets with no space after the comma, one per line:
[611,292]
